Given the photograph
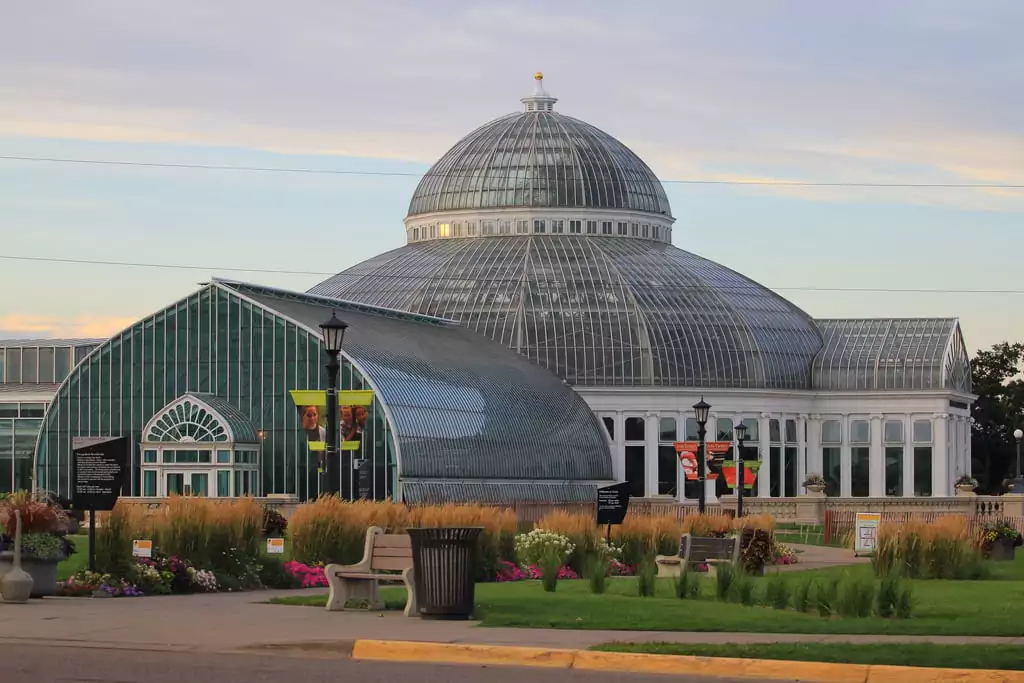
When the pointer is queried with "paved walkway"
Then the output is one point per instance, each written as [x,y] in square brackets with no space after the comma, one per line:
[819,557]
[231,622]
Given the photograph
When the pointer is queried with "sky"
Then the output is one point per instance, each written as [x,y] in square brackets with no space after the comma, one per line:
[800,90]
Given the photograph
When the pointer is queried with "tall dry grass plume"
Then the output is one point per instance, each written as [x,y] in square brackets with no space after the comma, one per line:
[644,536]
[333,530]
[125,524]
[581,529]
[941,549]
[708,525]
[762,522]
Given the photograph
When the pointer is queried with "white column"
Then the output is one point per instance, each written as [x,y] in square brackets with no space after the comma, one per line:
[802,431]
[846,461]
[651,427]
[877,470]
[967,456]
[814,457]
[618,448]
[940,456]
[908,456]
[764,475]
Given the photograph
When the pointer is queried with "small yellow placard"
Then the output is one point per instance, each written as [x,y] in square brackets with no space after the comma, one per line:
[275,546]
[142,548]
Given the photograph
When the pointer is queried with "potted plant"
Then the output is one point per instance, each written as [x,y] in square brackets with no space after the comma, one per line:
[815,484]
[999,540]
[965,485]
[44,540]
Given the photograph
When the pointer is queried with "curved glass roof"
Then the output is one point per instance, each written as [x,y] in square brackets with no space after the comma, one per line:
[539,158]
[462,409]
[599,311]
[897,353]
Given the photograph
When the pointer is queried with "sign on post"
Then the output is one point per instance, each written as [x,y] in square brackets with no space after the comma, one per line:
[865,530]
[275,546]
[612,504]
[99,469]
[142,548]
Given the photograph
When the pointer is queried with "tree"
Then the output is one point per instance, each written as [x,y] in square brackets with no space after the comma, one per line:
[996,376]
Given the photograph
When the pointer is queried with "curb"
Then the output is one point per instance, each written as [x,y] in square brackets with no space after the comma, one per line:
[628,662]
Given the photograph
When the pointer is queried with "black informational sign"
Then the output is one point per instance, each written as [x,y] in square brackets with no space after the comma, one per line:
[100,467]
[612,503]
[365,483]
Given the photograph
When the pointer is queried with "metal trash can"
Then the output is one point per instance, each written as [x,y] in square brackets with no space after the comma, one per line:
[444,568]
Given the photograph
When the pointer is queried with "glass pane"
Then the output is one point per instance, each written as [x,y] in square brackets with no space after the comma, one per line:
[29,358]
[46,365]
[175,484]
[894,471]
[149,456]
[3,368]
[753,429]
[25,434]
[831,431]
[775,490]
[923,471]
[691,429]
[668,429]
[8,410]
[724,428]
[860,478]
[204,456]
[832,460]
[860,431]
[922,431]
[635,470]
[609,425]
[634,429]
[791,469]
[790,431]
[224,483]
[667,470]
[774,434]
[149,483]
[63,363]
[223,457]
[893,431]
[200,484]
[33,409]
[14,366]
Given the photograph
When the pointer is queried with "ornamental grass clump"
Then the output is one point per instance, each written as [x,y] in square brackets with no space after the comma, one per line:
[687,585]
[778,592]
[725,577]
[644,536]
[826,596]
[550,565]
[597,573]
[646,579]
[331,530]
[856,598]
[744,588]
[708,525]
[942,549]
[802,596]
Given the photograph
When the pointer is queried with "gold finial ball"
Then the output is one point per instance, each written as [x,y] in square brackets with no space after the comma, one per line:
[538,76]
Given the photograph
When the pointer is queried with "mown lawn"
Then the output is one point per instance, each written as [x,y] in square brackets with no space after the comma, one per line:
[983,608]
[1005,657]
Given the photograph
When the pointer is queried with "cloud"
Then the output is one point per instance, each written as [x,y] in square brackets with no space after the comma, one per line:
[22,325]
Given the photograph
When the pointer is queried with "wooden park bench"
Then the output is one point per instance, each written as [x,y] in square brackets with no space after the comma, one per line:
[382,553]
[696,550]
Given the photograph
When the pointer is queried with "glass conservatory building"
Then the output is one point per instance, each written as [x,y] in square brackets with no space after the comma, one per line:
[201,389]
[553,238]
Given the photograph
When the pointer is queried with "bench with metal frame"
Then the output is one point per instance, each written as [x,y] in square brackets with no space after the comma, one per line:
[361,581]
[698,550]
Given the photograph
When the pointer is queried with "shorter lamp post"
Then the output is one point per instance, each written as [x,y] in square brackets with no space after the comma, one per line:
[741,435]
[700,411]
[333,332]
[1018,484]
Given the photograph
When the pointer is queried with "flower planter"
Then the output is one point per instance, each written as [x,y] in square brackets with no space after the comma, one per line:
[1002,550]
[43,573]
[815,490]
[965,489]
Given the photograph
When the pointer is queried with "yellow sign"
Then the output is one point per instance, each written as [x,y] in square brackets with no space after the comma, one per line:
[275,546]
[353,406]
[142,548]
[866,532]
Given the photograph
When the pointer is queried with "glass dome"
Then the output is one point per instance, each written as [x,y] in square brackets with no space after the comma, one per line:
[539,158]
[599,311]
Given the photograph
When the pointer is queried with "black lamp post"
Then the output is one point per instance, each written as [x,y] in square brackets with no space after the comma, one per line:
[741,435]
[1018,484]
[700,411]
[333,332]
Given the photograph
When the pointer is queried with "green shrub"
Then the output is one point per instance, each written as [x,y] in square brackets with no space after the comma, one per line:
[857,598]
[597,573]
[646,579]
[725,577]
[273,574]
[802,596]
[826,595]
[905,603]
[687,585]
[778,592]
[888,595]
[550,565]
[745,589]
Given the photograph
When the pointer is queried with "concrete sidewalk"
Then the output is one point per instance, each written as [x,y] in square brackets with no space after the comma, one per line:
[232,622]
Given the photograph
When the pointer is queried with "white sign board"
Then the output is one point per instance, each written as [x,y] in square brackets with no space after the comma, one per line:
[865,531]
[142,548]
[275,546]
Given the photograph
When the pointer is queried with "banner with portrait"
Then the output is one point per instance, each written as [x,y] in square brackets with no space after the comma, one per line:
[354,411]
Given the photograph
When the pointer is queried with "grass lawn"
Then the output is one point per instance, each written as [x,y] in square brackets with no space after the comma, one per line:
[982,608]
[1006,657]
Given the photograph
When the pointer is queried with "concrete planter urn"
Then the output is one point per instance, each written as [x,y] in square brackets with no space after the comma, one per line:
[16,584]
[965,489]
[817,490]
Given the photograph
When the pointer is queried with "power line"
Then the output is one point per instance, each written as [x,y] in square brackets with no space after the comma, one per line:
[491,176]
[388,276]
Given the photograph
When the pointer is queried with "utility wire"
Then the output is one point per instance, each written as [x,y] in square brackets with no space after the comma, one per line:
[492,176]
[456,278]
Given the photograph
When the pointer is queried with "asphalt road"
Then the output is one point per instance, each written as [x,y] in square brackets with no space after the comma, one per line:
[41,664]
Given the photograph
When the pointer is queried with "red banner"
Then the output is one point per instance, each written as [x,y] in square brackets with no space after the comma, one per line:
[712,447]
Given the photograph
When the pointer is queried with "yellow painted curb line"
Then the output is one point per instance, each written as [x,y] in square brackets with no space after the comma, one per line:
[630,662]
